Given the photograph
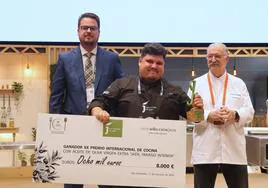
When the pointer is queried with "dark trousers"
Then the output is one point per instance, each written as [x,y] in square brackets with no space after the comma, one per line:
[236,176]
[73,186]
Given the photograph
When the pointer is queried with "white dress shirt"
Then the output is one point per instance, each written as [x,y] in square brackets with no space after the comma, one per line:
[222,143]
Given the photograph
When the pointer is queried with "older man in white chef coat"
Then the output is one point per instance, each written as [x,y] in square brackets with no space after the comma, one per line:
[219,141]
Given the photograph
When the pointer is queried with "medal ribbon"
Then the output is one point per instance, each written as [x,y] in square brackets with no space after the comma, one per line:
[224,91]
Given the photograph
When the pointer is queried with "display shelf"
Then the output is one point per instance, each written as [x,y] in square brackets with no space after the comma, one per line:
[12,130]
[17,171]
[17,145]
[7,92]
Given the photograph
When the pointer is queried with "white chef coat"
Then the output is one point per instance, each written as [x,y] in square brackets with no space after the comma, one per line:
[224,143]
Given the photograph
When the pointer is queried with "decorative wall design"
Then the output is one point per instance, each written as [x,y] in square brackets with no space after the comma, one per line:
[52,52]
[22,49]
[130,51]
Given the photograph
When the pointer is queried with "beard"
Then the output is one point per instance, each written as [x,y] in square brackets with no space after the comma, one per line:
[89,43]
[88,39]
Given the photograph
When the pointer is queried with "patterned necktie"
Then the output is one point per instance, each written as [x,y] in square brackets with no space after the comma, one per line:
[89,71]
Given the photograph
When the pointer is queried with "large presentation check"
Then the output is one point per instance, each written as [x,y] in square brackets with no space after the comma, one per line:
[126,151]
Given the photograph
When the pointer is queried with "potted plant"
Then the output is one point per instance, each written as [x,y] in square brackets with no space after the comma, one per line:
[34,133]
[32,158]
[22,157]
[18,89]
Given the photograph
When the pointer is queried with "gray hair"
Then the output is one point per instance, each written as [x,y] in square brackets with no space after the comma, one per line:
[221,45]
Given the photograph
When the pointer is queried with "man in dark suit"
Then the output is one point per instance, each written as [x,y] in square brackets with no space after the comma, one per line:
[69,93]
[83,72]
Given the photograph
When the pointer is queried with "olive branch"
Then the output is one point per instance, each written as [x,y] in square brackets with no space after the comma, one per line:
[192,88]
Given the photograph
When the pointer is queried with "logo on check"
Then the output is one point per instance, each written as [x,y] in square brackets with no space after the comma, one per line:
[114,128]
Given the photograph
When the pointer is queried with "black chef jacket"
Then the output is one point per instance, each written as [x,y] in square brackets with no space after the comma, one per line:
[132,97]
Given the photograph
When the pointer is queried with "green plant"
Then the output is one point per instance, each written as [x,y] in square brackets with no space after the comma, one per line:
[32,159]
[17,87]
[34,133]
[22,155]
[192,88]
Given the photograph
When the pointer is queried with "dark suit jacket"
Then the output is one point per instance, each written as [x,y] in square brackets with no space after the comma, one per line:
[68,92]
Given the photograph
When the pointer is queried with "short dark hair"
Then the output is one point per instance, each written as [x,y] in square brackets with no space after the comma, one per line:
[89,15]
[153,49]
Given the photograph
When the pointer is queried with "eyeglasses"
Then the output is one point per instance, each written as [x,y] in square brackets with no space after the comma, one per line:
[89,28]
[210,57]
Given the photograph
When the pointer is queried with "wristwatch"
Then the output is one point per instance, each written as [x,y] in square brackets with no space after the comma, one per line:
[237,117]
